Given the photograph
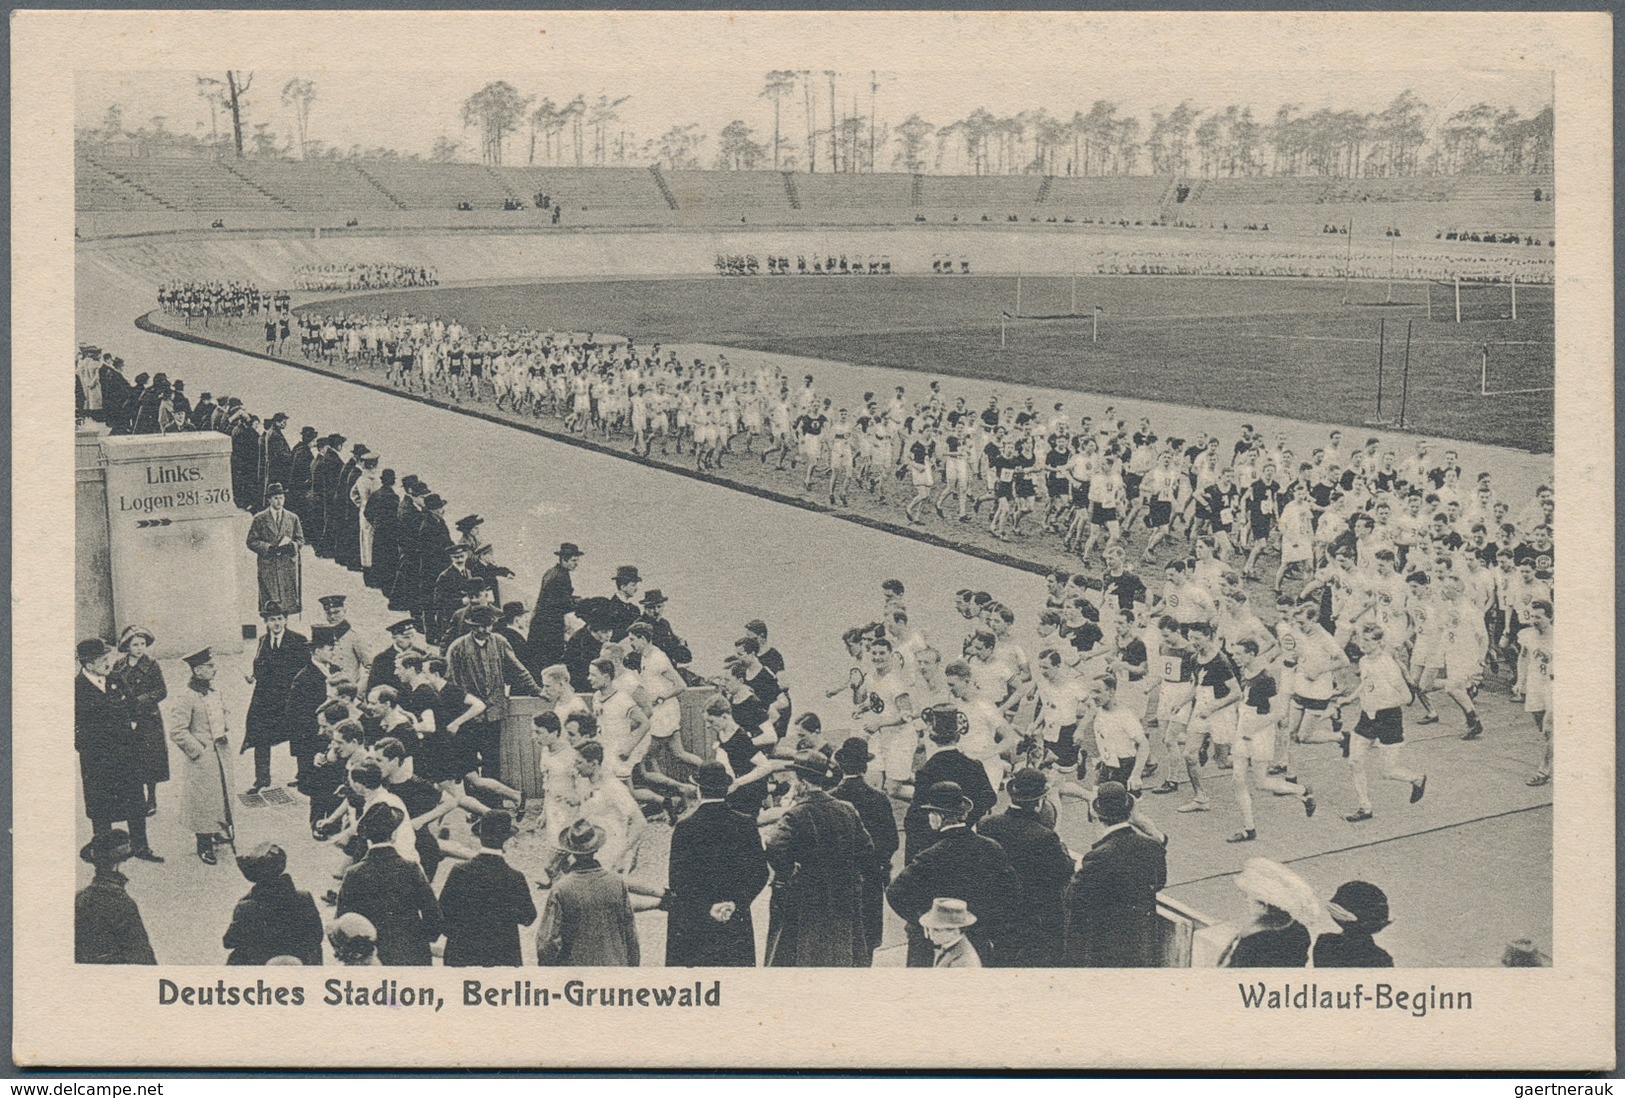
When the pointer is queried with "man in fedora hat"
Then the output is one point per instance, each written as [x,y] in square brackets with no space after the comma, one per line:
[665,637]
[962,864]
[588,918]
[554,600]
[107,926]
[391,892]
[276,536]
[717,870]
[874,808]
[109,746]
[818,851]
[326,469]
[485,901]
[945,926]
[278,658]
[1041,862]
[276,456]
[275,919]
[1111,903]
[301,458]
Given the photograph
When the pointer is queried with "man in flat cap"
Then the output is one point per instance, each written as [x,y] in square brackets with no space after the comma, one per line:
[110,748]
[276,537]
[554,601]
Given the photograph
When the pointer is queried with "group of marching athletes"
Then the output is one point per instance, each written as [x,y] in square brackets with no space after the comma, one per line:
[363,276]
[209,301]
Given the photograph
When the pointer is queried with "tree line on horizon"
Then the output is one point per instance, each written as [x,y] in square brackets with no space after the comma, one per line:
[844,134]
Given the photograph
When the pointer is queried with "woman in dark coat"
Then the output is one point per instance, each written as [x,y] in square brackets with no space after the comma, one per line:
[275,919]
[142,682]
[280,656]
[383,513]
[245,463]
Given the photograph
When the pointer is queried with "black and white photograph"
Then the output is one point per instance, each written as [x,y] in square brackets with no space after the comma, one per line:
[566,493]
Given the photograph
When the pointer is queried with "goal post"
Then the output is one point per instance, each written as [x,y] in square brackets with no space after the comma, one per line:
[1514,367]
[1460,300]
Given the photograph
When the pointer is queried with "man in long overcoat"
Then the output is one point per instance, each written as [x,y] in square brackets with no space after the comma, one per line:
[307,694]
[110,748]
[874,808]
[961,865]
[278,461]
[1041,861]
[276,537]
[554,600]
[300,461]
[946,726]
[1111,904]
[382,511]
[199,730]
[325,471]
[408,523]
[817,851]
[280,655]
[718,868]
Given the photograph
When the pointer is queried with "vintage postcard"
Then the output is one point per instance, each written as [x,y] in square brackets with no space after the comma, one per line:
[639,540]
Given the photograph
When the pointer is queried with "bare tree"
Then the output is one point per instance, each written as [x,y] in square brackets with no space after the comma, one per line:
[779,83]
[237,86]
[496,109]
[300,94]
[809,110]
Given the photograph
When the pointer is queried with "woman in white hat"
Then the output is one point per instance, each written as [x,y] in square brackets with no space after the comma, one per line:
[1277,934]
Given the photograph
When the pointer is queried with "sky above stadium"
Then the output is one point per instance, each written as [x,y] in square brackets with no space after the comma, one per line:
[708,69]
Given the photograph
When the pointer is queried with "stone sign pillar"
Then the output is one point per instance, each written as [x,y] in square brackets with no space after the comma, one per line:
[93,571]
[176,541]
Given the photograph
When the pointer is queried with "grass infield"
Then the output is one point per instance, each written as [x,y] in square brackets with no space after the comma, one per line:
[1283,347]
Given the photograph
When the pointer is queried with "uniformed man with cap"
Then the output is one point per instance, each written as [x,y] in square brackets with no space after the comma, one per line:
[200,730]
[352,655]
[276,537]
[404,637]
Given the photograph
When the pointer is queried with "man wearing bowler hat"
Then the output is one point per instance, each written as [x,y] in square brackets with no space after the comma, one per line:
[485,901]
[107,926]
[717,870]
[818,852]
[665,637]
[962,864]
[276,536]
[554,600]
[1111,903]
[110,748]
[945,726]
[621,609]
[1041,861]
[874,808]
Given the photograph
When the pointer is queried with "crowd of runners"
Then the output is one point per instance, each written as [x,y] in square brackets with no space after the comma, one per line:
[362,276]
[206,302]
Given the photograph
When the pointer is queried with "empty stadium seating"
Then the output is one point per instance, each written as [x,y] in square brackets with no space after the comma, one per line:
[728,190]
[315,185]
[185,184]
[95,189]
[827,191]
[995,192]
[416,185]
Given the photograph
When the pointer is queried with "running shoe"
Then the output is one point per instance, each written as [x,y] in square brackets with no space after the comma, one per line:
[1246,836]
[1418,788]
